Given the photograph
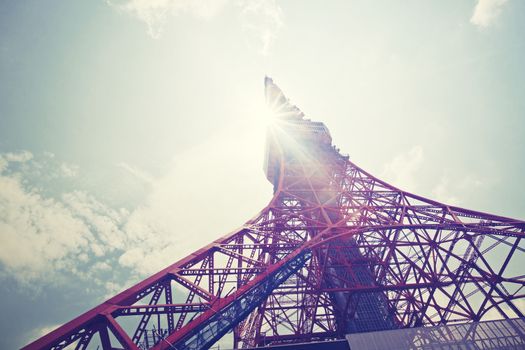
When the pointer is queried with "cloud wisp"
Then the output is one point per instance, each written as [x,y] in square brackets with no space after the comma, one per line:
[486,12]
[401,171]
[155,13]
[451,188]
[260,20]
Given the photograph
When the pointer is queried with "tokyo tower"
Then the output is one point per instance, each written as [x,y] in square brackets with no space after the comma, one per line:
[336,252]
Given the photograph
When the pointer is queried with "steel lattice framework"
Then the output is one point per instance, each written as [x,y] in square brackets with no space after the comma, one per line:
[336,251]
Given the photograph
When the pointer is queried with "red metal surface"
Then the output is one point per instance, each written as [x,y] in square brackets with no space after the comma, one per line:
[426,263]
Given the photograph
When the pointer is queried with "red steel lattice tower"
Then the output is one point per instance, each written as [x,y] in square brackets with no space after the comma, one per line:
[336,251]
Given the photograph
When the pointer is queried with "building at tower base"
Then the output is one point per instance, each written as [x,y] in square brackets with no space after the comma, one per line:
[487,335]
[498,334]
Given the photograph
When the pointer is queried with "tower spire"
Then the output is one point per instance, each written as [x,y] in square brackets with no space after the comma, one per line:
[277,102]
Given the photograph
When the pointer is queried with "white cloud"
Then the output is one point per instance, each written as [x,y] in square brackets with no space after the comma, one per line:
[486,12]
[260,19]
[102,220]
[401,171]
[136,172]
[69,170]
[102,266]
[37,233]
[155,13]
[441,192]
[10,157]
[449,190]
[43,237]
[19,157]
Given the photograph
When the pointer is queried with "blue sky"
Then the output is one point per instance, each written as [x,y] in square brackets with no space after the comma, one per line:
[132,132]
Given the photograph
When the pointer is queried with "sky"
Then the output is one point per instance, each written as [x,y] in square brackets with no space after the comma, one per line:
[132,131]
